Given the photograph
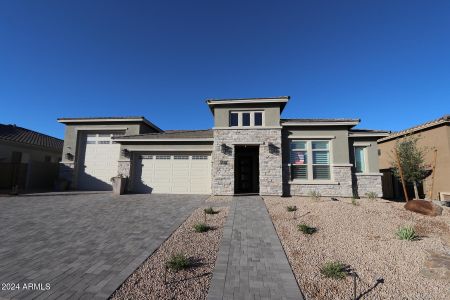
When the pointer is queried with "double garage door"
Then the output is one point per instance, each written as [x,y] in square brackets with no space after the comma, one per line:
[172,173]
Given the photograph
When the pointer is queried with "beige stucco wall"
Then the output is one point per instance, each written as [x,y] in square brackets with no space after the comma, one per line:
[438,138]
[271,113]
[29,152]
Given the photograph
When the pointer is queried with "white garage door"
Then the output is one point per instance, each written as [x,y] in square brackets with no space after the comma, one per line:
[98,161]
[173,173]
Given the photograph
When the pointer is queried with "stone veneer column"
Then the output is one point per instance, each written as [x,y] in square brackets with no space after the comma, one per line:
[367,183]
[66,171]
[270,159]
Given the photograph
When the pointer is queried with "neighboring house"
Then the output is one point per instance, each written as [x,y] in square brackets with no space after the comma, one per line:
[432,135]
[250,149]
[28,159]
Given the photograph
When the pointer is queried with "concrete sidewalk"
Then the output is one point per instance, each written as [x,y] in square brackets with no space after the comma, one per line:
[251,262]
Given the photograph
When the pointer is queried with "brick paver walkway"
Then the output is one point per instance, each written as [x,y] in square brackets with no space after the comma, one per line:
[83,246]
[251,262]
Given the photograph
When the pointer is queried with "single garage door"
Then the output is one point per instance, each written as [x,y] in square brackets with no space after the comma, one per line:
[98,161]
[173,173]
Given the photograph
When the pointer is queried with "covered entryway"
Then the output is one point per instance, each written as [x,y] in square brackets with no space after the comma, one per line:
[246,169]
[172,173]
[98,160]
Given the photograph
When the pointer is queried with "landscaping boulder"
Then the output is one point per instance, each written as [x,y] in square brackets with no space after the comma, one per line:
[424,207]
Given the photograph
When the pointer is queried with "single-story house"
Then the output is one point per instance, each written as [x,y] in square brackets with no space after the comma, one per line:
[433,135]
[28,159]
[250,149]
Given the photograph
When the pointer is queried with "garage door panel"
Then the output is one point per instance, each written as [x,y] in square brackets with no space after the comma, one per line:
[177,173]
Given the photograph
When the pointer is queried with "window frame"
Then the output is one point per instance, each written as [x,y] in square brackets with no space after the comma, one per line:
[310,160]
[240,114]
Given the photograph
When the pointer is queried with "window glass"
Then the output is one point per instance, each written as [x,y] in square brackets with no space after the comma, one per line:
[319,145]
[301,145]
[299,157]
[199,157]
[359,160]
[299,172]
[258,119]
[184,157]
[234,119]
[321,172]
[162,157]
[321,157]
[246,119]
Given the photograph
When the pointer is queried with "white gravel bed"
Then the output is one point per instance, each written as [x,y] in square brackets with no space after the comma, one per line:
[363,237]
[147,282]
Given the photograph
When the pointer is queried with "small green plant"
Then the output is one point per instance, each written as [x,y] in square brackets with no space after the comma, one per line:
[406,233]
[315,195]
[306,229]
[210,211]
[178,262]
[354,201]
[291,208]
[334,269]
[371,195]
[201,227]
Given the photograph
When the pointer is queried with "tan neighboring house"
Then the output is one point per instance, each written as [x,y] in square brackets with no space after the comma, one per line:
[432,135]
[28,159]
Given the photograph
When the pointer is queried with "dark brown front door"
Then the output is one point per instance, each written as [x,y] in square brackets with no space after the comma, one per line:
[246,177]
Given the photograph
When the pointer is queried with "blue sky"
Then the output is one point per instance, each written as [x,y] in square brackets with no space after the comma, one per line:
[386,62]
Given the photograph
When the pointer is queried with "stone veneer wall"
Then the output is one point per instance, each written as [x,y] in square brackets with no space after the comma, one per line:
[342,186]
[66,171]
[366,183]
[270,171]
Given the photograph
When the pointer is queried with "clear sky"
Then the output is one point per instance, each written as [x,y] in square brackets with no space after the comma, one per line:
[386,62]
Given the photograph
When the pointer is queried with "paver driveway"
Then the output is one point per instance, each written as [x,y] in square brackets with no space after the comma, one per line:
[83,246]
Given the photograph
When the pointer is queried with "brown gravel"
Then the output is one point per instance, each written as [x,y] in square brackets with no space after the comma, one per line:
[363,237]
[147,282]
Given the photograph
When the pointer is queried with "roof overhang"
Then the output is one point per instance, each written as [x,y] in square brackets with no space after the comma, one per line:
[118,139]
[331,123]
[108,120]
[282,100]
[368,134]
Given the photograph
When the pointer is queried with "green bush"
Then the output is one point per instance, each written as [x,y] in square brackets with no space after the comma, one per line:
[178,262]
[335,270]
[201,227]
[406,233]
[306,229]
[291,208]
[354,202]
[371,195]
[315,195]
[210,211]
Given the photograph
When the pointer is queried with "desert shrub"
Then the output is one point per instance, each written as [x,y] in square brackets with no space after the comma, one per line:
[201,227]
[315,195]
[306,229]
[178,262]
[210,211]
[291,208]
[354,201]
[406,233]
[334,269]
[371,195]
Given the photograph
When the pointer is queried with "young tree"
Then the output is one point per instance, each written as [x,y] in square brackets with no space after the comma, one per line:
[410,158]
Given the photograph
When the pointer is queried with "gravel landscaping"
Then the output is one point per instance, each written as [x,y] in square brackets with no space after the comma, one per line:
[152,281]
[362,236]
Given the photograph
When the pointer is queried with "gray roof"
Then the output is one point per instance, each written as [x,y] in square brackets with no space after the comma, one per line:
[22,135]
[440,121]
[94,118]
[171,134]
[320,120]
[256,99]
[369,131]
